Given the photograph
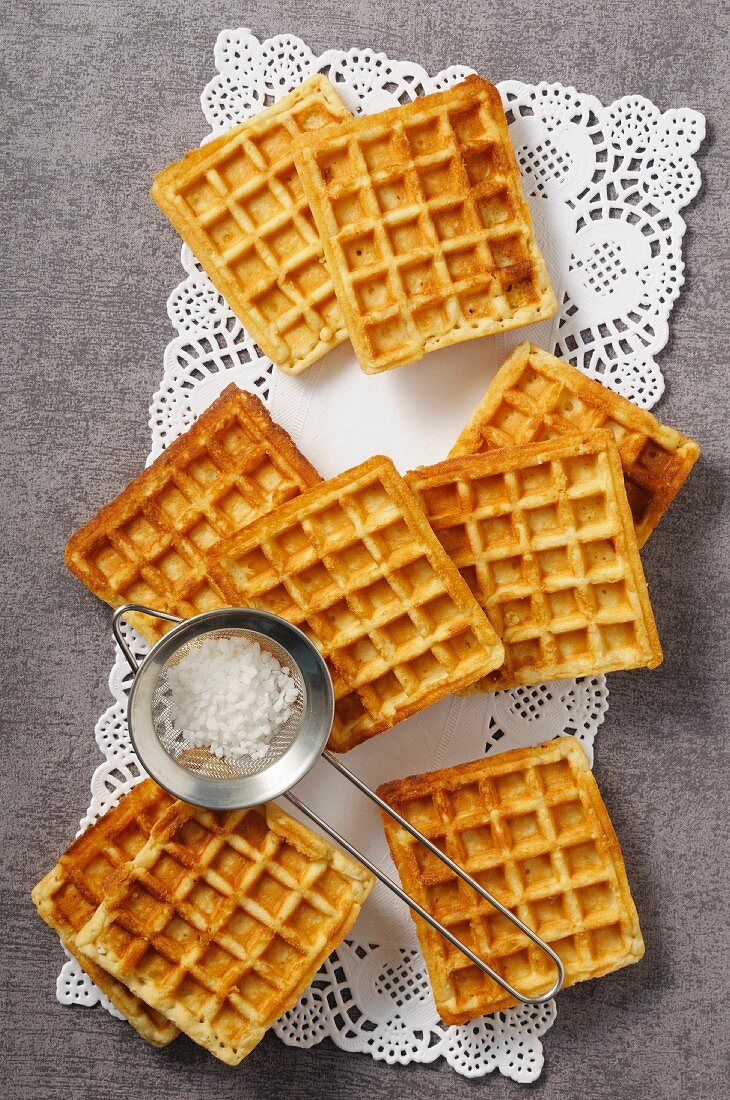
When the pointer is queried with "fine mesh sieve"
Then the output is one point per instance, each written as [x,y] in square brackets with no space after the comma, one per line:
[196,775]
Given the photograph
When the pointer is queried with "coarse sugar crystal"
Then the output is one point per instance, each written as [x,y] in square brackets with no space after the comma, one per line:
[231,696]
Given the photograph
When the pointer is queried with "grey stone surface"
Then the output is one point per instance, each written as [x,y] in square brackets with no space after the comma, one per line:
[97,96]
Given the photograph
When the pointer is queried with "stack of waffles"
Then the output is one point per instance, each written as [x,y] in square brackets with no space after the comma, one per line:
[536,396]
[511,565]
[513,562]
[406,231]
[233,515]
[515,565]
[208,923]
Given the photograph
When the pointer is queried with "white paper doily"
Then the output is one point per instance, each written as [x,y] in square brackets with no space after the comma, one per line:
[605,185]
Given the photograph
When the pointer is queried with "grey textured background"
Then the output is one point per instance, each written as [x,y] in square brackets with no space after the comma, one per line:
[98,96]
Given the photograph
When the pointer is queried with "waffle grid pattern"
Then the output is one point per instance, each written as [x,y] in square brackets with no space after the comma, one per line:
[69,894]
[238,203]
[424,226]
[355,565]
[152,544]
[223,919]
[545,543]
[536,396]
[531,827]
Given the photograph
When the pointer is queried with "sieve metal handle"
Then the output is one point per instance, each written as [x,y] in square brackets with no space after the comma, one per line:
[120,614]
[416,906]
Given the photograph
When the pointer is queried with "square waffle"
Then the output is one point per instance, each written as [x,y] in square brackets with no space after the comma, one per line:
[69,894]
[424,225]
[543,536]
[530,826]
[151,545]
[222,920]
[238,203]
[535,396]
[355,565]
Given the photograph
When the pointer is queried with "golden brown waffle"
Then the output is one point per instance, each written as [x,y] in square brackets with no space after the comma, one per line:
[355,565]
[530,826]
[543,536]
[222,920]
[535,396]
[425,229]
[69,894]
[151,545]
[238,203]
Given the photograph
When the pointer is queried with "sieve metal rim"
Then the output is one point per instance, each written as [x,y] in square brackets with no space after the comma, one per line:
[242,791]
